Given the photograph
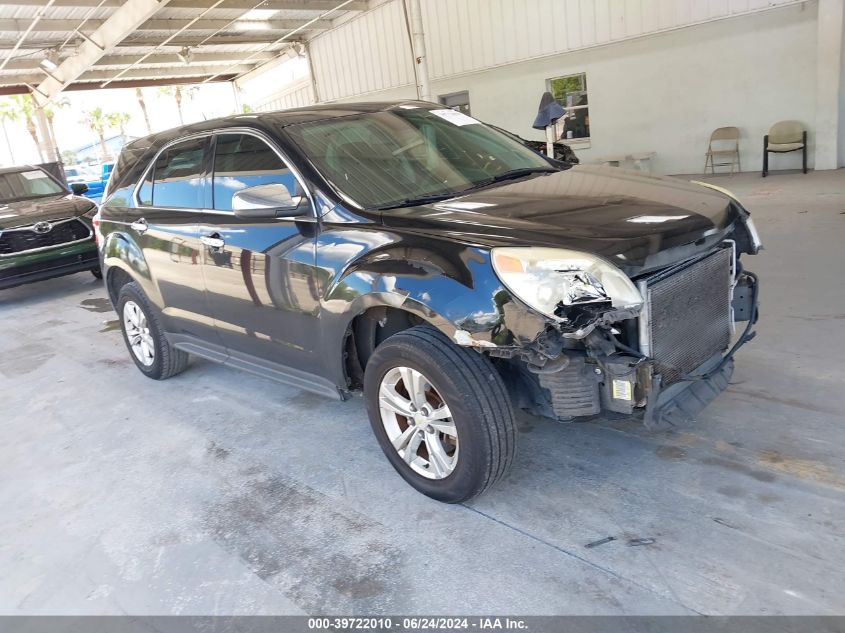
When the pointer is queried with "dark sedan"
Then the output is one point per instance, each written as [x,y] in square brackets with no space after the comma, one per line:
[45,230]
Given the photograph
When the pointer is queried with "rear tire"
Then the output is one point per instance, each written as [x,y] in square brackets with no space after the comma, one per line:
[447,378]
[144,336]
[97,272]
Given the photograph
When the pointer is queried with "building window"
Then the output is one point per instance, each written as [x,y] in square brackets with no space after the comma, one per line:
[571,92]
[457,101]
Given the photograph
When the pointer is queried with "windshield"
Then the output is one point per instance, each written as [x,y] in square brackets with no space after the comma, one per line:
[386,158]
[21,185]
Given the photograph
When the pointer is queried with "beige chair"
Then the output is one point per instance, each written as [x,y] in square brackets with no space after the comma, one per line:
[783,137]
[724,144]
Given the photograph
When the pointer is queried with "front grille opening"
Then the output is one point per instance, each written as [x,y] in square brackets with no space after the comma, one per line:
[14,241]
[689,316]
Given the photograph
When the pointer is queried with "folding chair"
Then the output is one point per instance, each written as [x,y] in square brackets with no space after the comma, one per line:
[726,147]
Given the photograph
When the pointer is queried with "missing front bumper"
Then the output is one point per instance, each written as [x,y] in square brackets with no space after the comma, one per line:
[681,402]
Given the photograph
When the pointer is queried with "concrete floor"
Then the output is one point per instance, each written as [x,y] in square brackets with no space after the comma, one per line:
[218,492]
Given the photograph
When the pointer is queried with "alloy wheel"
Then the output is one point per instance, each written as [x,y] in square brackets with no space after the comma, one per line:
[138,333]
[418,423]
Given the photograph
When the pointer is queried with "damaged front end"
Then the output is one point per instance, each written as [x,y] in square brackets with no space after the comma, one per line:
[659,347]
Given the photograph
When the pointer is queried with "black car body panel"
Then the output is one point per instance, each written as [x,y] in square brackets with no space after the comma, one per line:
[281,298]
[25,212]
[597,209]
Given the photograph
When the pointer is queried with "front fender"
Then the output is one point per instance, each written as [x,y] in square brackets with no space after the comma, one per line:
[449,285]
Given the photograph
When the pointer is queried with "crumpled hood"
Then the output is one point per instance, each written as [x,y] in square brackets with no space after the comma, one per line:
[638,222]
[25,212]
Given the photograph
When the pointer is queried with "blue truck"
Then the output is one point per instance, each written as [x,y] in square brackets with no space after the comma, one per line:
[96,183]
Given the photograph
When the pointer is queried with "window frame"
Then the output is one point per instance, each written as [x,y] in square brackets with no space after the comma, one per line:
[208,171]
[279,155]
[580,139]
[150,169]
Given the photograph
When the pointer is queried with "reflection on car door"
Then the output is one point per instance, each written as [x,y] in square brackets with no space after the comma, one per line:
[260,279]
[165,224]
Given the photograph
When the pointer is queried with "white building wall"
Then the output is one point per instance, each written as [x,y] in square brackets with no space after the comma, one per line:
[663,92]
[297,95]
[666,93]
[368,53]
[470,35]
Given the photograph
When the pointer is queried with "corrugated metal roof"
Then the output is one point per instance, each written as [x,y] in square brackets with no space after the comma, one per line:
[222,37]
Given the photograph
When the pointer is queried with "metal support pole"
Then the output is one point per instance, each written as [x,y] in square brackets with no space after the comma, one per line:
[311,74]
[236,93]
[420,59]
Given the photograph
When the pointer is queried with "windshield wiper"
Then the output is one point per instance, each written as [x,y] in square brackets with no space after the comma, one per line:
[438,197]
[411,202]
[511,175]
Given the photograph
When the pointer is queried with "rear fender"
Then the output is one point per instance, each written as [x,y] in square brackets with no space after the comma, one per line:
[121,252]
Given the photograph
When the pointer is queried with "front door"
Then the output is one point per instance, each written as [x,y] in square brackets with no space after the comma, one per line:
[260,273]
[165,224]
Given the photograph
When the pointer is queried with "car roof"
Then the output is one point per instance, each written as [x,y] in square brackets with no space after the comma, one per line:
[276,119]
[18,168]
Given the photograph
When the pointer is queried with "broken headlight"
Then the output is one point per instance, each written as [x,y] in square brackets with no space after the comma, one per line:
[548,278]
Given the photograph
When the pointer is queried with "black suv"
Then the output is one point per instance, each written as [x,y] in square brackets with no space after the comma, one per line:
[439,265]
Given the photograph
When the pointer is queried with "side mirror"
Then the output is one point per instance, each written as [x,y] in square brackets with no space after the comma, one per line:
[79,188]
[265,201]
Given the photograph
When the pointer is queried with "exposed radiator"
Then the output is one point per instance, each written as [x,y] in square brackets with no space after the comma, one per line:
[687,316]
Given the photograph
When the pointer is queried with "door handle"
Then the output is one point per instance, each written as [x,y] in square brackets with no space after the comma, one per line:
[139,225]
[213,241]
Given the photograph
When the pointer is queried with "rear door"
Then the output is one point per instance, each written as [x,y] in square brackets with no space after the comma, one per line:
[260,278]
[165,224]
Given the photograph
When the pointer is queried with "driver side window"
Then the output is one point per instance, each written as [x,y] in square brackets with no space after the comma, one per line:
[242,161]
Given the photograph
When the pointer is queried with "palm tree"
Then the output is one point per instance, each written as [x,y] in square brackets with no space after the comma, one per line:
[140,96]
[177,92]
[8,112]
[50,113]
[119,120]
[26,107]
[98,122]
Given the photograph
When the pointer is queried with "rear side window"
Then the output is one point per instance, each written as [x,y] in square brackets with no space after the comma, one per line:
[176,177]
[242,161]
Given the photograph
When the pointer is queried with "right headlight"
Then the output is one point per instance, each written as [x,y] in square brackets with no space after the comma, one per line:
[545,278]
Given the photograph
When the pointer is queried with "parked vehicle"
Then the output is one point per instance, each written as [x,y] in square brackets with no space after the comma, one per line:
[77,173]
[437,264]
[562,151]
[45,230]
[95,179]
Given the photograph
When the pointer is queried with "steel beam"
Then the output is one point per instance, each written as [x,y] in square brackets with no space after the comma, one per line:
[23,89]
[69,26]
[279,5]
[178,42]
[124,21]
[135,73]
[31,63]
[259,37]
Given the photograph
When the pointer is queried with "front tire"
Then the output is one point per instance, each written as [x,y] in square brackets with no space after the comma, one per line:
[98,274]
[441,414]
[144,336]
